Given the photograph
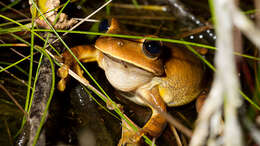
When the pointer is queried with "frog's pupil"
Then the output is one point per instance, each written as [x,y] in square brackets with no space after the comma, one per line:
[153,47]
[104,25]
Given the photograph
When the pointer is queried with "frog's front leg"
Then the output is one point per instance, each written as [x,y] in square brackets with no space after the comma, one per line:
[155,124]
[84,53]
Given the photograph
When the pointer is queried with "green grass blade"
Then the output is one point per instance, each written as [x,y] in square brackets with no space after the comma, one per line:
[34,83]
[13,64]
[26,27]
[135,3]
[10,23]
[152,38]
[58,15]
[10,5]
[16,66]
[30,74]
[6,45]
[201,57]
[99,104]
[214,69]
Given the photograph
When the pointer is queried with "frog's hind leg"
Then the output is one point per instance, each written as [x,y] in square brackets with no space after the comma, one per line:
[155,124]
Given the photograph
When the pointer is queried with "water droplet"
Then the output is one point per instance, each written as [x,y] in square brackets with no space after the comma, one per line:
[164,9]
[79,7]
[192,18]
[197,22]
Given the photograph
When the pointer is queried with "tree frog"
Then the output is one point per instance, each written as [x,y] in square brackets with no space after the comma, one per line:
[151,71]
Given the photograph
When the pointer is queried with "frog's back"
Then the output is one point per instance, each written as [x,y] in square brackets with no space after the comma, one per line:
[184,75]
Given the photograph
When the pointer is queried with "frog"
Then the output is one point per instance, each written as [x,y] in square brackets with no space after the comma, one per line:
[153,73]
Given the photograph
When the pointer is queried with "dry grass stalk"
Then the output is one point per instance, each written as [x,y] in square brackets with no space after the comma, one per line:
[224,95]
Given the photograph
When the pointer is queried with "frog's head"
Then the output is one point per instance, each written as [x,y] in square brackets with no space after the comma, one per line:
[142,53]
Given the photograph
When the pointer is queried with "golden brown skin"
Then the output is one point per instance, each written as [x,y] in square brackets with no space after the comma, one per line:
[84,53]
[173,79]
[183,80]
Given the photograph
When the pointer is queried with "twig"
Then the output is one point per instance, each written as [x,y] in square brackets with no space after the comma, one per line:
[88,20]
[226,71]
[253,130]
[19,45]
[138,17]
[16,11]
[225,86]
[39,101]
[195,31]
[85,19]
[8,132]
[13,99]
[20,54]
[12,75]
[245,25]
[212,104]
[257,6]
[141,7]
[178,140]
[145,25]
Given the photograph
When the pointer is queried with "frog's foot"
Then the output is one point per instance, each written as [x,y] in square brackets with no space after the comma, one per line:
[63,72]
[133,138]
[153,126]
[113,106]
[129,136]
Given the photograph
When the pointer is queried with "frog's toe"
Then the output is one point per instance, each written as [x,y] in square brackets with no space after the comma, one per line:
[61,85]
[58,58]
[63,71]
[128,142]
[131,138]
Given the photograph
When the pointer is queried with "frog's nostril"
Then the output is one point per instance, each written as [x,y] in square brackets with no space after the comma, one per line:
[120,43]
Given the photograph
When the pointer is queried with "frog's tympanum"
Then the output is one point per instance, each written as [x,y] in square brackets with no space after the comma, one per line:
[158,73]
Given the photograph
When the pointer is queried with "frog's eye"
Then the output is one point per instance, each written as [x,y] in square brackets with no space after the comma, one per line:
[104,25]
[152,49]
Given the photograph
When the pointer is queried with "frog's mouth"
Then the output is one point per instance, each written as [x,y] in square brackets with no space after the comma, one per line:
[124,63]
[123,75]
